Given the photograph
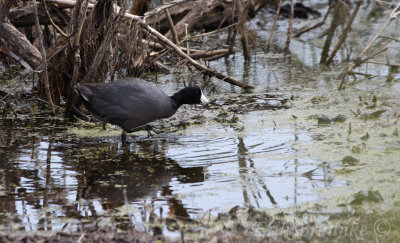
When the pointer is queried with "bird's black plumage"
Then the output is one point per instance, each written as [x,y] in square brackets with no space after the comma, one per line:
[131,103]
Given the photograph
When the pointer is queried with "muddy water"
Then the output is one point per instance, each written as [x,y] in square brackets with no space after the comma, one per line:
[256,150]
[56,173]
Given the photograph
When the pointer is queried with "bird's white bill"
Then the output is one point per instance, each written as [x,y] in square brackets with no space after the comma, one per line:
[203,99]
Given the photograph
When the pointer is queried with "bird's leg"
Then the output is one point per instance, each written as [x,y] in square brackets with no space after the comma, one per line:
[75,111]
[123,136]
[149,128]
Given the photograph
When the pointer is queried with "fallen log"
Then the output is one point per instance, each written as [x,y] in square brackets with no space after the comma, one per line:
[24,16]
[199,15]
[20,45]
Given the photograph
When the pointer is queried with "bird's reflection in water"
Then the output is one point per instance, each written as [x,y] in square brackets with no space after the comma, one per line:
[132,173]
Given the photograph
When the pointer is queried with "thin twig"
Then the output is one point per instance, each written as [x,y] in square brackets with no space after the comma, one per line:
[81,238]
[390,37]
[373,38]
[384,63]
[331,31]
[171,23]
[343,36]
[187,42]
[162,7]
[52,22]
[197,65]
[274,25]
[44,61]
[304,30]
[244,38]
[208,33]
[289,33]
[232,33]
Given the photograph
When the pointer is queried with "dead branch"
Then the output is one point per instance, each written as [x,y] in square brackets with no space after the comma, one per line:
[197,65]
[359,59]
[171,23]
[110,34]
[208,33]
[44,74]
[193,53]
[162,8]
[51,20]
[384,63]
[230,41]
[178,51]
[390,37]
[336,21]
[67,3]
[207,54]
[24,16]
[102,50]
[278,9]
[244,38]
[20,45]
[343,36]
[139,7]
[75,46]
[304,29]
[289,33]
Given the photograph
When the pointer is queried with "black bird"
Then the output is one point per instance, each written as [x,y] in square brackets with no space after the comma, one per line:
[132,103]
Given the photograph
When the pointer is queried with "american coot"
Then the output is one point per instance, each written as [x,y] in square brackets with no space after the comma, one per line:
[131,103]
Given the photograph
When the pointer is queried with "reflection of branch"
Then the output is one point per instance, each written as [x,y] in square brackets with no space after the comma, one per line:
[242,151]
[359,59]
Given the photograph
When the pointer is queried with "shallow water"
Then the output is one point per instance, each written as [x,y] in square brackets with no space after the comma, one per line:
[57,175]
[52,176]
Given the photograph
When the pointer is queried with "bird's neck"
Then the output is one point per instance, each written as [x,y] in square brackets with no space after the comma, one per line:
[176,100]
